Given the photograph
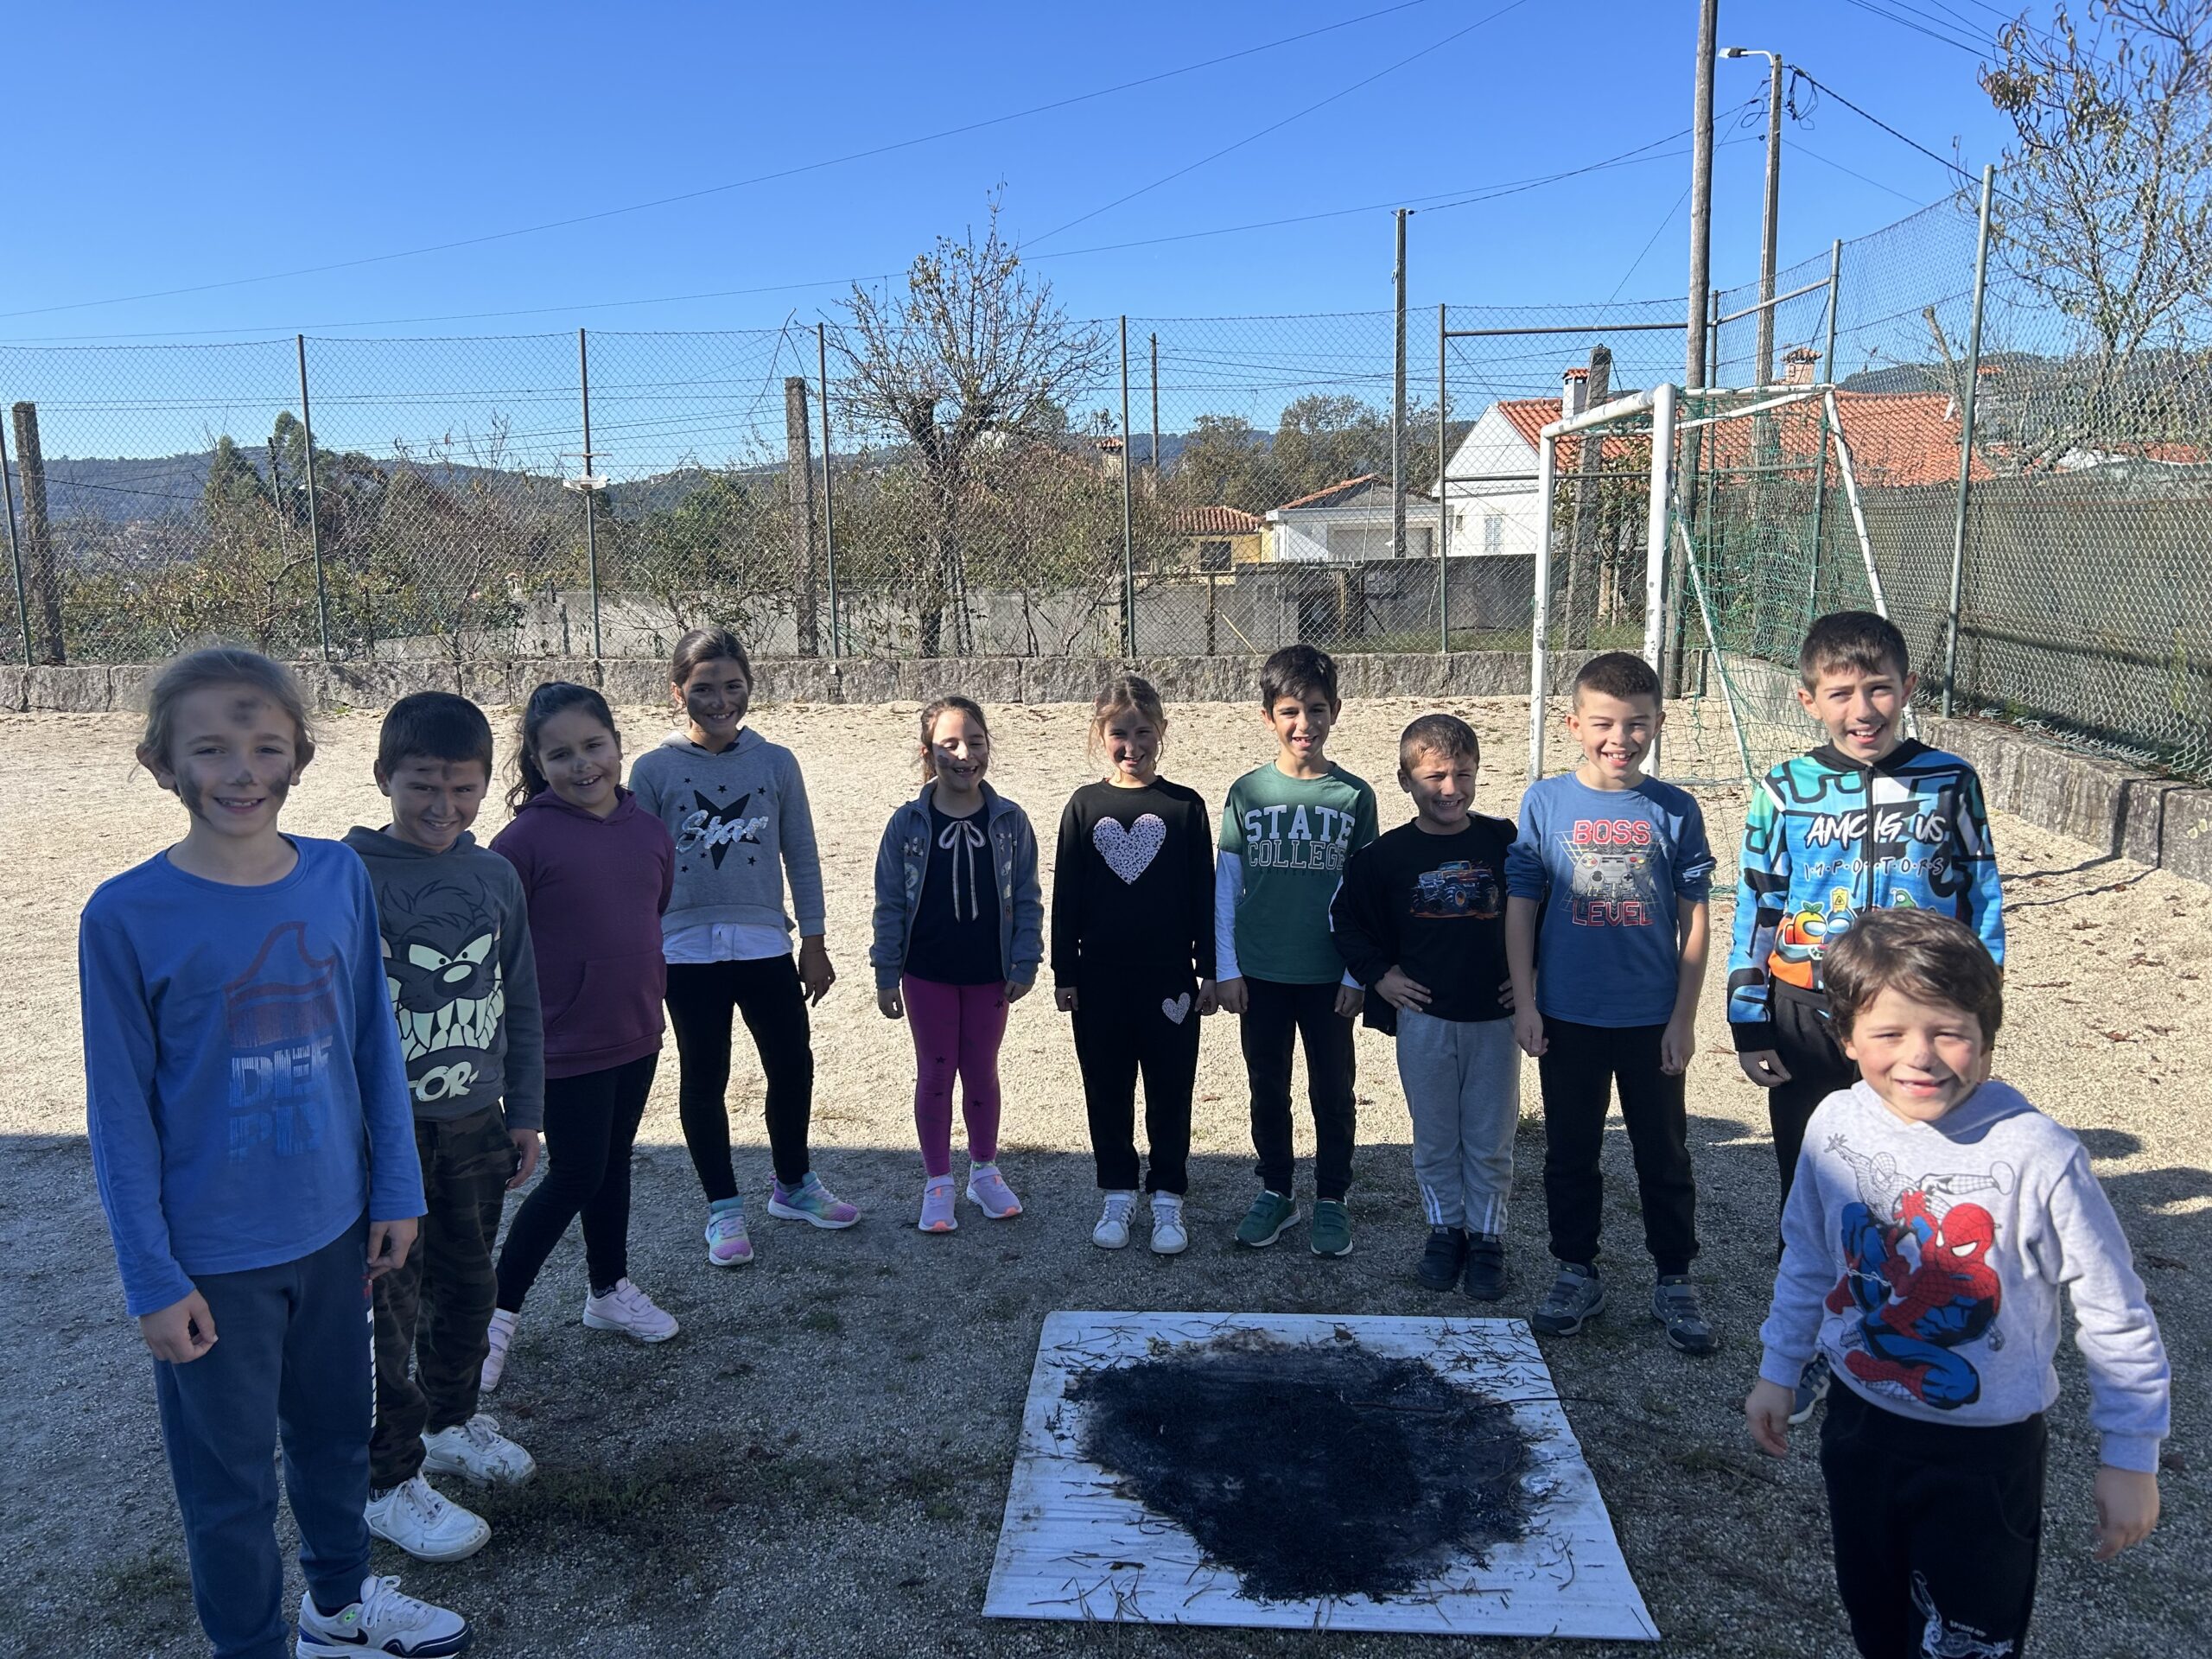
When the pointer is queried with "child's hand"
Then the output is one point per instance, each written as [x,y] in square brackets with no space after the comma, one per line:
[389,1242]
[183,1331]
[2127,1508]
[1017,989]
[1230,996]
[1528,1031]
[1505,993]
[1678,1045]
[1763,1067]
[1064,999]
[1400,991]
[1767,1410]
[1208,997]
[887,1000]
[1350,1000]
[526,1145]
[815,972]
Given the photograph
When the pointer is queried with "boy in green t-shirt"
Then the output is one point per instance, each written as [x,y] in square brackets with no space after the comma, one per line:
[1286,829]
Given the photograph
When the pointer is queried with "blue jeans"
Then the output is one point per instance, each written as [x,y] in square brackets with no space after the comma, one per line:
[292,1358]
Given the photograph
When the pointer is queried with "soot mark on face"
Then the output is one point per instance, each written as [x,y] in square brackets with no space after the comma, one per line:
[1310,1471]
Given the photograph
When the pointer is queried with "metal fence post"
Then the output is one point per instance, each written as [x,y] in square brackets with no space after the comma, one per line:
[1820,452]
[1966,442]
[1398,400]
[591,512]
[314,521]
[828,509]
[1443,493]
[15,552]
[1129,537]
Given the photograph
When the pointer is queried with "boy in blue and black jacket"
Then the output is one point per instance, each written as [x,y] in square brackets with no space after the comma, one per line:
[1871,819]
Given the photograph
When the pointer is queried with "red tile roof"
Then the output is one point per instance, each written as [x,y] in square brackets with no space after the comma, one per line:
[1215,521]
[1530,415]
[1321,497]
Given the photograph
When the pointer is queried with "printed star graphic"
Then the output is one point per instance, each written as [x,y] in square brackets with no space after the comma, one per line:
[717,817]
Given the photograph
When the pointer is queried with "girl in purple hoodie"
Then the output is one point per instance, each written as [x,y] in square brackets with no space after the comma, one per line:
[596,870]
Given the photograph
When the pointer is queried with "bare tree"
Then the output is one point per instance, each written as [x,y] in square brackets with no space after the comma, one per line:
[2107,207]
[974,353]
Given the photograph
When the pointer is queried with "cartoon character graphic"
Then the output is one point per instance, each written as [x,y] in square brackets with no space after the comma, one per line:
[1917,1269]
[441,967]
[1806,933]
[1457,891]
[1941,1639]
[1614,883]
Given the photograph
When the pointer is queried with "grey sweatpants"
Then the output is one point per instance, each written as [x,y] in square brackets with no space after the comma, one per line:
[1463,1086]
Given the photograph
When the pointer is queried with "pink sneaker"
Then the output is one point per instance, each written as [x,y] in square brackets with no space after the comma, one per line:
[810,1201]
[937,1206]
[728,1245]
[988,1191]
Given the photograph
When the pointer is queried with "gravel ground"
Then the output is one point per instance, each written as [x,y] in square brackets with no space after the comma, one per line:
[819,1463]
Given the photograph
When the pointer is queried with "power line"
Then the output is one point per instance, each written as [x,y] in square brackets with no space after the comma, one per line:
[1276,126]
[1797,148]
[1932,34]
[736,184]
[1648,246]
[1827,91]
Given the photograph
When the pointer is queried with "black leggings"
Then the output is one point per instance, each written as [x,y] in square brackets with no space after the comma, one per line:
[591,1123]
[1579,1068]
[703,997]
[1805,1038]
[1127,1021]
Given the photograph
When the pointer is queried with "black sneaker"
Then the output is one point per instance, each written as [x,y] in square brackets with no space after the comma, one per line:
[1446,1253]
[1575,1296]
[1485,1279]
[1675,1306]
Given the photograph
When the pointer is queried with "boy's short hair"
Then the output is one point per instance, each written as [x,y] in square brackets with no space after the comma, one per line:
[434,725]
[1863,641]
[1445,734]
[1297,672]
[1620,674]
[1924,954]
[220,665]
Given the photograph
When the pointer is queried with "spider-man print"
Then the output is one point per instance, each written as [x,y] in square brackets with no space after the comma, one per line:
[1917,1269]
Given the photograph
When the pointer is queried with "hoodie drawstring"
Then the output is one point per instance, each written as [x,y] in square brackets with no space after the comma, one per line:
[963,833]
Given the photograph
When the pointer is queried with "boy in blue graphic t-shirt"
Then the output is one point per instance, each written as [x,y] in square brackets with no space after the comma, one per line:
[1606,935]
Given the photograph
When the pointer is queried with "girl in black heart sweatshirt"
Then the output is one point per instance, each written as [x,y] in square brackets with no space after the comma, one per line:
[1132,957]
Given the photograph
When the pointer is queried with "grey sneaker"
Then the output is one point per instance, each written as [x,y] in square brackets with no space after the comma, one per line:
[1674,1305]
[1576,1295]
[1812,1389]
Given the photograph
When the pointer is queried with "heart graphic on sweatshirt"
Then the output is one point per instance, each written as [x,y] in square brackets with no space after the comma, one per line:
[1129,853]
[1175,1007]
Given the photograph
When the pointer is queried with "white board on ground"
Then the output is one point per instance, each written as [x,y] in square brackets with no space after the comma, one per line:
[1074,1546]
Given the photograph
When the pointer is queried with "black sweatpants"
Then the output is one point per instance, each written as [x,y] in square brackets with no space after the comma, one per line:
[703,998]
[1128,1021]
[591,1124]
[1579,1068]
[1937,1528]
[1276,1015]
[1805,1040]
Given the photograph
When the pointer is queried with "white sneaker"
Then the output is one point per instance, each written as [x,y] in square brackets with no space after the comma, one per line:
[1168,1236]
[629,1310]
[477,1451]
[382,1621]
[1112,1232]
[500,1336]
[426,1526]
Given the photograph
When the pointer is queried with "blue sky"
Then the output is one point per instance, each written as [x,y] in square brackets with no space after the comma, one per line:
[186,148]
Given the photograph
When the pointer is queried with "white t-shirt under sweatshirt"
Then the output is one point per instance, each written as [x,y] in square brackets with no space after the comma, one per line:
[1925,1260]
[740,820]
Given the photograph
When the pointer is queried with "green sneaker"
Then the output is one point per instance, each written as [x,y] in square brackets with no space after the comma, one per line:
[1331,1233]
[1264,1221]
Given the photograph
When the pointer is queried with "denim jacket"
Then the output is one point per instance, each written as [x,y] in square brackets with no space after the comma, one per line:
[904,858]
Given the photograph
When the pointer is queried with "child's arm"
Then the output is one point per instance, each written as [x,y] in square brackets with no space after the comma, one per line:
[1802,1283]
[1028,911]
[1365,940]
[1762,889]
[1067,907]
[1984,891]
[888,952]
[1198,873]
[1228,892]
[525,1103]
[2130,1381]
[1526,883]
[396,1202]
[1679,1045]
[803,866]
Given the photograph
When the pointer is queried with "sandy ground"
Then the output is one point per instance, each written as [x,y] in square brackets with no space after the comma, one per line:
[818,1464]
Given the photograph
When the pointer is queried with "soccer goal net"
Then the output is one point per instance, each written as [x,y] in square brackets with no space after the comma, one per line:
[1752,496]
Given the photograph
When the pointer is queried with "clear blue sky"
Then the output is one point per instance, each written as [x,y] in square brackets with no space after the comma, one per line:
[177,147]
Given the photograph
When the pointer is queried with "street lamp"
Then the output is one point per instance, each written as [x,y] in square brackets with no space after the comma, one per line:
[1771,228]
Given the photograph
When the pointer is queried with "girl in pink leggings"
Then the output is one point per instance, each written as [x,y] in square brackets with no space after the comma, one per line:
[959,932]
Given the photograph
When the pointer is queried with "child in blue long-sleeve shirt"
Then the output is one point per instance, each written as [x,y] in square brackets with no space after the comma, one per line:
[253,1140]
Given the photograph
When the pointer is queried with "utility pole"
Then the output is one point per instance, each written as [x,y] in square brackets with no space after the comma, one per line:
[799,485]
[1155,414]
[1398,405]
[1770,225]
[42,579]
[1708,28]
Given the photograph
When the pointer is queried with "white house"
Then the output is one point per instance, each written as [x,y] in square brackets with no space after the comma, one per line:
[1492,494]
[1350,520]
